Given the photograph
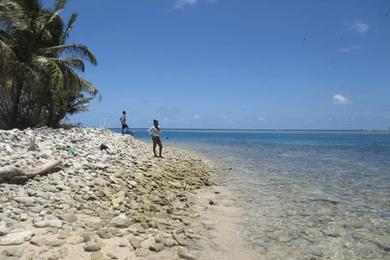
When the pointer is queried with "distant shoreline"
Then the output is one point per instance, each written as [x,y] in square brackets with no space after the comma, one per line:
[263,130]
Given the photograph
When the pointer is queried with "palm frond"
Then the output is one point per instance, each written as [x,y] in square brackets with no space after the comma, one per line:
[51,18]
[75,63]
[51,69]
[72,50]
[74,81]
[69,27]
[88,86]
[5,50]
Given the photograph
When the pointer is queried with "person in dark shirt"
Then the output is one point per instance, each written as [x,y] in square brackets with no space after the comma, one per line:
[124,124]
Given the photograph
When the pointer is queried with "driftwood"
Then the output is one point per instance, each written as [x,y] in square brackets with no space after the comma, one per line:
[15,174]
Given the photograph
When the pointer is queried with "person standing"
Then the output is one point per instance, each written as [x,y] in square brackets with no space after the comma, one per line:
[155,132]
[124,124]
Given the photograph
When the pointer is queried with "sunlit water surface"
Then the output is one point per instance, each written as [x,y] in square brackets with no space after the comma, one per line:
[306,194]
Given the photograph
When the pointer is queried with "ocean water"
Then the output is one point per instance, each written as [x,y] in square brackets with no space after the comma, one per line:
[305,194]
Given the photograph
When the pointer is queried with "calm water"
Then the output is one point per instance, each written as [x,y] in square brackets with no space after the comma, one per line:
[306,194]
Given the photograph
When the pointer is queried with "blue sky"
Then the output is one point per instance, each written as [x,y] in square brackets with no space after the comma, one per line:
[304,64]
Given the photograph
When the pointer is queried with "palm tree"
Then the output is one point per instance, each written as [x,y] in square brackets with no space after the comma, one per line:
[39,80]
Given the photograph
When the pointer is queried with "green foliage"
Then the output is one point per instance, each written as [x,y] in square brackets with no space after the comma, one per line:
[39,71]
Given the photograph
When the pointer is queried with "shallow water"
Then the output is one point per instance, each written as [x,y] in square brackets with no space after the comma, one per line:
[306,194]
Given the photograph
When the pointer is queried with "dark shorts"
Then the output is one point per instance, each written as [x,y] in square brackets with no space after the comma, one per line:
[124,126]
[156,139]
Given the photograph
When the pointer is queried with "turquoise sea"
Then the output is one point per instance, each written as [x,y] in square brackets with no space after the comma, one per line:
[305,194]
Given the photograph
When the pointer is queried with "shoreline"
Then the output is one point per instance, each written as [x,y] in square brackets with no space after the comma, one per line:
[123,204]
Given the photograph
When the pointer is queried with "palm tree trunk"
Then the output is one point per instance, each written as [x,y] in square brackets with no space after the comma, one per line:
[15,105]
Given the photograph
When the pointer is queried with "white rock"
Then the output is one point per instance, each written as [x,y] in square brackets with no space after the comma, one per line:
[25,200]
[48,223]
[16,238]
[3,229]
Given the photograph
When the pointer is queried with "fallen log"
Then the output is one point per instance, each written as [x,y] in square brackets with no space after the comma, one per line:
[9,172]
[15,174]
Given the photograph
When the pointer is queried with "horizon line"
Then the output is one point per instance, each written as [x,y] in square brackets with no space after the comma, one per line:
[258,129]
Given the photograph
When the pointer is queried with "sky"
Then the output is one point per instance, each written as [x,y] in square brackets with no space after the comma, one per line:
[253,64]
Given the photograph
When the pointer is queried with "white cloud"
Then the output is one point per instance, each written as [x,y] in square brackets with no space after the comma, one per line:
[196,116]
[179,4]
[339,99]
[262,119]
[358,26]
[349,48]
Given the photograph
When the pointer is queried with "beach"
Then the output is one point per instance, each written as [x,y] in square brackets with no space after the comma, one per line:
[118,203]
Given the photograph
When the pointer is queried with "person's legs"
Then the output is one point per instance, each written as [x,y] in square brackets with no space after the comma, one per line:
[160,146]
[154,146]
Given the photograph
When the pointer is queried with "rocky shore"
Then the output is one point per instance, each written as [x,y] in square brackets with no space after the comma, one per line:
[96,203]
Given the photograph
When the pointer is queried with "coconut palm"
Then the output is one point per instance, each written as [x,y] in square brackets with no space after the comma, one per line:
[39,71]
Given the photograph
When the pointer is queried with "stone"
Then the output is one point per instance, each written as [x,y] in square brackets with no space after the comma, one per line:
[122,244]
[135,243]
[36,209]
[54,242]
[92,246]
[141,252]
[112,256]
[63,235]
[68,217]
[87,237]
[156,247]
[121,221]
[3,229]
[37,241]
[77,240]
[180,238]
[185,254]
[25,200]
[56,223]
[211,202]
[104,233]
[99,256]
[169,242]
[23,217]
[16,238]
[13,252]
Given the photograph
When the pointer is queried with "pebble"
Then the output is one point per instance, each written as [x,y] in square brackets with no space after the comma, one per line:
[185,254]
[141,252]
[121,221]
[135,243]
[54,242]
[92,246]
[156,247]
[16,238]
[99,256]
[3,229]
[68,217]
[25,200]
[56,223]
[112,256]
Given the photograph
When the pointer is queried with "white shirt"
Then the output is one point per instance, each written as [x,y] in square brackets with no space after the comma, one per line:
[154,131]
[123,119]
